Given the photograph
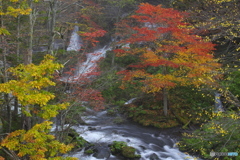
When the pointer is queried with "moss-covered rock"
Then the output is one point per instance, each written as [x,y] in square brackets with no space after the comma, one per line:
[129,152]
[122,149]
[89,151]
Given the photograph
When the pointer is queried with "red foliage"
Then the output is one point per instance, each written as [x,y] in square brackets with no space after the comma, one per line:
[163,40]
[119,51]
[79,80]
[89,19]
[91,36]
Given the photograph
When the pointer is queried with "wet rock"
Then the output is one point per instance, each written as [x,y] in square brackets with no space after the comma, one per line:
[154,157]
[37,49]
[142,147]
[102,151]
[115,132]
[92,128]
[59,44]
[129,152]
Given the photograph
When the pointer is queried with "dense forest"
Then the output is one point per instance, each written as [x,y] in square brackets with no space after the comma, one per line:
[176,60]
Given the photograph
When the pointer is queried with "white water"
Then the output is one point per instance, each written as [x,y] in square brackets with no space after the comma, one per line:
[75,41]
[90,64]
[147,141]
[87,68]
[218,103]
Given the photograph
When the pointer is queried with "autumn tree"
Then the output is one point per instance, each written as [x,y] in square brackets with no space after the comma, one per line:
[12,8]
[29,88]
[217,20]
[9,11]
[168,52]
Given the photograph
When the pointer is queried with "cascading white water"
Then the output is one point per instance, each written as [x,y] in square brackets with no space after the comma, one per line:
[151,144]
[218,102]
[90,64]
[87,68]
[75,41]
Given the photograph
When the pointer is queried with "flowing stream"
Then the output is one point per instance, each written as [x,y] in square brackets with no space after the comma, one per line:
[150,143]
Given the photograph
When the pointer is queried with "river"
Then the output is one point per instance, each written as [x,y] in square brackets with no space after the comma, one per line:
[150,143]
[100,129]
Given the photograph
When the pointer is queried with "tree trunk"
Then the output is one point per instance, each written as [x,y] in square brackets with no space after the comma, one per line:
[165,101]
[7,115]
[165,94]
[32,19]
[28,58]
[113,60]
[6,96]
[53,10]
[18,37]
[16,105]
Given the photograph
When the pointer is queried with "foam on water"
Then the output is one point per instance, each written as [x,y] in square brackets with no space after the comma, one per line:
[146,141]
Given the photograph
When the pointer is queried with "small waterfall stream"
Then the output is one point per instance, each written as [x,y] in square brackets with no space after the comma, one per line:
[150,143]
[75,41]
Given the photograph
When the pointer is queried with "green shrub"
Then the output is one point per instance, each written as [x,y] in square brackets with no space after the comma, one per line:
[221,134]
[111,112]
[89,151]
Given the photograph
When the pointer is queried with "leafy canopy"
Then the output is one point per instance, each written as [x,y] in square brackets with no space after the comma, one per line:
[36,143]
[168,51]
[30,89]
[13,8]
[29,86]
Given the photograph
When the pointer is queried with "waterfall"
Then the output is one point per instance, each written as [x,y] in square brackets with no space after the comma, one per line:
[75,41]
[90,64]
[218,102]
[100,129]
[88,68]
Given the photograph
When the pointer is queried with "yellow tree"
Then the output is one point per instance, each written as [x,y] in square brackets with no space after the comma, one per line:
[8,9]
[12,8]
[30,89]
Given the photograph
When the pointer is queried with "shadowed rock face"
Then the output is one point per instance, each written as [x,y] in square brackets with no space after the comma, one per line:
[37,49]
[102,151]
[58,44]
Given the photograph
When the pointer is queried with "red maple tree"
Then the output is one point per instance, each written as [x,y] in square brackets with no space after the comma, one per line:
[169,53]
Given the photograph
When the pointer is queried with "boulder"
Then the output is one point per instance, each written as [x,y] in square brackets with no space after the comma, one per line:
[102,151]
[154,157]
